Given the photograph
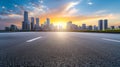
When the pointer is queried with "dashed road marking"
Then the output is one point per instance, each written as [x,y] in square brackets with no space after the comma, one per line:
[31,40]
[111,40]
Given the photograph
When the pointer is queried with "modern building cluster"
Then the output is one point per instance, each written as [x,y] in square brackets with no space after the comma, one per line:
[102,26]
[12,28]
[74,27]
[27,25]
[84,27]
[34,25]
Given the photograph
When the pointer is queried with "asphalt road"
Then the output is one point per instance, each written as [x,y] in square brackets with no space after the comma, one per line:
[59,49]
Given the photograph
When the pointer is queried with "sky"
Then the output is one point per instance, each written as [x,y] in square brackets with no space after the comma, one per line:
[60,11]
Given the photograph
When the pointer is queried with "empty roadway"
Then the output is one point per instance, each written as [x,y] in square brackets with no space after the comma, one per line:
[59,49]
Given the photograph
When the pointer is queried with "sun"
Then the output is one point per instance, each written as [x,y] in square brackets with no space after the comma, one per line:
[60,24]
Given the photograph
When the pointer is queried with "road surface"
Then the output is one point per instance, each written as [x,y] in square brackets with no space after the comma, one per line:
[59,49]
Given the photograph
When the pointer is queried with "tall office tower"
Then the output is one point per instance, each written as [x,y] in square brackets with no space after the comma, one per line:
[26,23]
[48,21]
[84,27]
[105,24]
[37,21]
[100,25]
[32,23]
[25,16]
[37,24]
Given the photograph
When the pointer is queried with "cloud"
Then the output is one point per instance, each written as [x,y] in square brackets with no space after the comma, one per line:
[71,12]
[38,10]
[3,7]
[90,3]
[71,5]
[112,16]
[67,9]
[10,16]
[101,12]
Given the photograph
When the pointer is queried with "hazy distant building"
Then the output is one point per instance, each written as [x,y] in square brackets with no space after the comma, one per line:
[42,25]
[118,27]
[69,25]
[100,25]
[90,28]
[105,24]
[84,27]
[32,23]
[48,21]
[112,27]
[79,28]
[7,28]
[75,27]
[13,28]
[26,23]
[52,27]
[95,28]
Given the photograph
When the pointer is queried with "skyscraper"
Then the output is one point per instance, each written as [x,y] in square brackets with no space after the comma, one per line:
[37,21]
[26,23]
[105,24]
[37,24]
[32,23]
[100,25]
[48,21]
[25,16]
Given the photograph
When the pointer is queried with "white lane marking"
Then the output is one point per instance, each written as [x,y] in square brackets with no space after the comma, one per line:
[111,40]
[33,39]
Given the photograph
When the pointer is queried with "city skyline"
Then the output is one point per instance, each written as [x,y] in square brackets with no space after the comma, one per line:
[60,12]
[34,25]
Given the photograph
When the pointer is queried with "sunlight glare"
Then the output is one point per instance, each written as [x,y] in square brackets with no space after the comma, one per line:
[60,25]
